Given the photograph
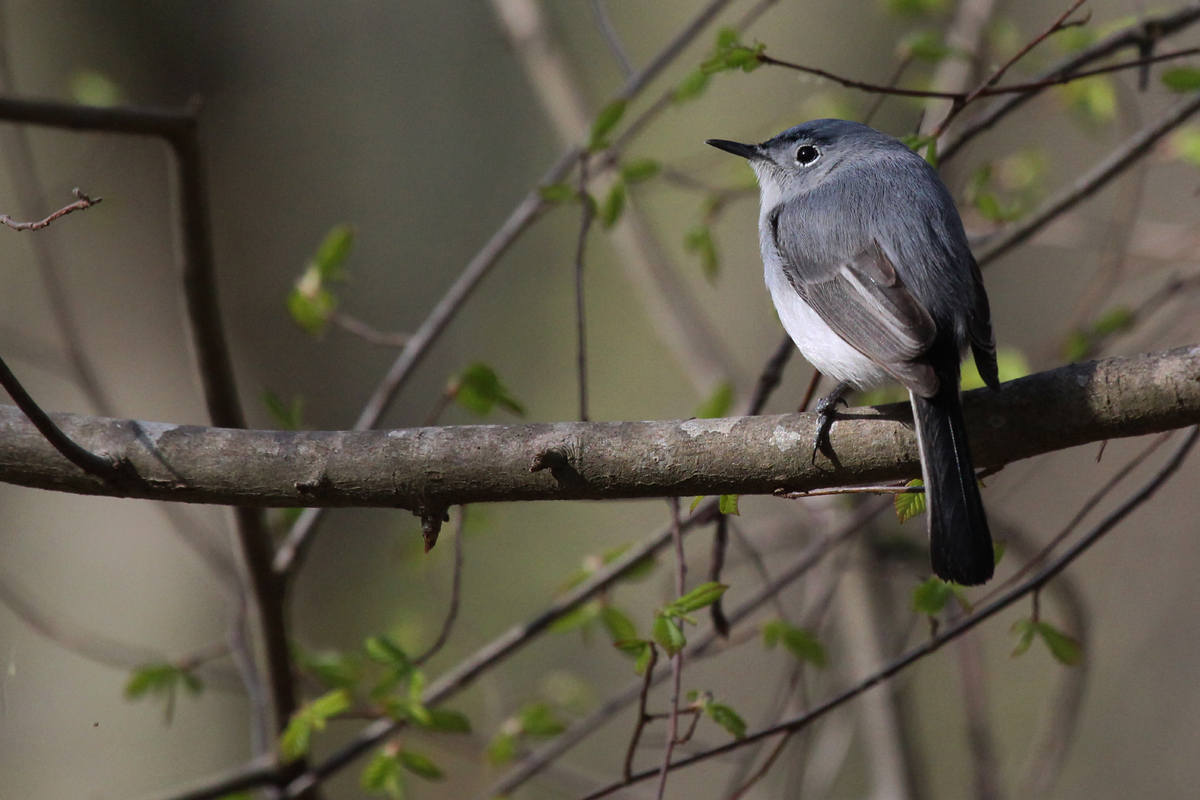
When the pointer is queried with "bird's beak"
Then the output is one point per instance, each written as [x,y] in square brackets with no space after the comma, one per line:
[748,151]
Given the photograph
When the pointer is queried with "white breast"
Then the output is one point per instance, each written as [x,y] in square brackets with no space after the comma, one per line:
[823,348]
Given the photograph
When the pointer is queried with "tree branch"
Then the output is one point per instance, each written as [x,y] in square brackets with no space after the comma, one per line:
[413,468]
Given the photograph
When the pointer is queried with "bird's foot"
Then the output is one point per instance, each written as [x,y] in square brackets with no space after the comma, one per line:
[826,412]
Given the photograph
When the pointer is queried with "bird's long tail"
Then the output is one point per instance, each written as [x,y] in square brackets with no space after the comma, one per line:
[960,542]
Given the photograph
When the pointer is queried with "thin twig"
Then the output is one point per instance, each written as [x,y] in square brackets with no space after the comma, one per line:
[951,633]
[82,201]
[101,466]
[716,565]
[1091,182]
[455,592]
[677,658]
[810,392]
[697,648]
[887,488]
[588,214]
[368,334]
[642,716]
[1148,29]
[605,26]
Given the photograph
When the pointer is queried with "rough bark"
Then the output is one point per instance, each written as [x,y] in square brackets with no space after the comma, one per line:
[427,469]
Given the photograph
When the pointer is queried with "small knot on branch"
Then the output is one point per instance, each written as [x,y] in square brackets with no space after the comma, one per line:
[432,518]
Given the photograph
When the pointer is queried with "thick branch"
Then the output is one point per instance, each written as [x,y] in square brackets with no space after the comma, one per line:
[414,468]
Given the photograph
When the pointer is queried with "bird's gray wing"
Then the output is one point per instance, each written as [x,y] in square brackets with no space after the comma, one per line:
[860,296]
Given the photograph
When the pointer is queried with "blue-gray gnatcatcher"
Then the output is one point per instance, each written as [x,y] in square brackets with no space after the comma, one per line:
[868,265]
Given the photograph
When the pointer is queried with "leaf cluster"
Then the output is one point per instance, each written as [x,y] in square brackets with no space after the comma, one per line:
[311,302]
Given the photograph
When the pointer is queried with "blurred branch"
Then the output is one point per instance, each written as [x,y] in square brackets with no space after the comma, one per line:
[368,334]
[605,26]
[259,772]
[1091,182]
[676,659]
[953,73]
[1140,35]
[698,647]
[669,305]
[1042,578]
[414,468]
[980,740]
[82,201]
[470,668]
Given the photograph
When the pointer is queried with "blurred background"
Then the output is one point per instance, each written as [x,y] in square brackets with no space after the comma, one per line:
[421,125]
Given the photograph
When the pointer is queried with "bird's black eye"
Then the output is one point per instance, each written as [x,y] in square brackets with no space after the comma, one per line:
[806,154]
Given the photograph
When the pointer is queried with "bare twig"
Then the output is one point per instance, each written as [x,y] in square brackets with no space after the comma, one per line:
[1148,29]
[605,26]
[588,214]
[261,771]
[697,648]
[82,201]
[951,633]
[677,658]
[1092,181]
[642,716]
[980,740]
[106,469]
[455,592]
[368,334]
[770,377]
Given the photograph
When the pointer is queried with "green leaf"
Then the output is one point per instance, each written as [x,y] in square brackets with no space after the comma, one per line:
[998,549]
[1115,320]
[558,193]
[445,720]
[478,389]
[640,649]
[310,308]
[692,86]
[613,205]
[333,252]
[1025,629]
[163,681]
[1184,144]
[1093,97]
[702,596]
[640,170]
[931,154]
[605,121]
[930,597]
[728,504]
[538,719]
[618,624]
[286,414]
[310,717]
[1181,79]
[1066,649]
[926,45]
[1077,347]
[334,669]
[801,643]
[581,617]
[419,764]
[717,404]
[644,658]
[910,504]
[668,635]
[383,650]
[699,241]
[502,749]
[382,775]
[727,718]
[697,500]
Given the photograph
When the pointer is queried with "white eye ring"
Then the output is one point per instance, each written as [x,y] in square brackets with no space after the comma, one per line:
[807,154]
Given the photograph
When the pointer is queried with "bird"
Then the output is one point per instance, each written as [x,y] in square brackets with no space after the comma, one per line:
[867,262]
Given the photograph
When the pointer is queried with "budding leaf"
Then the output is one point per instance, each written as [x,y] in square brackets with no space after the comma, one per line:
[692,86]
[910,504]
[702,596]
[728,504]
[727,718]
[538,719]
[1181,79]
[445,720]
[604,124]
[619,626]
[669,635]
[333,252]
[286,414]
[613,205]
[801,643]
[382,775]
[557,193]
[478,389]
[930,597]
[641,170]
[419,764]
